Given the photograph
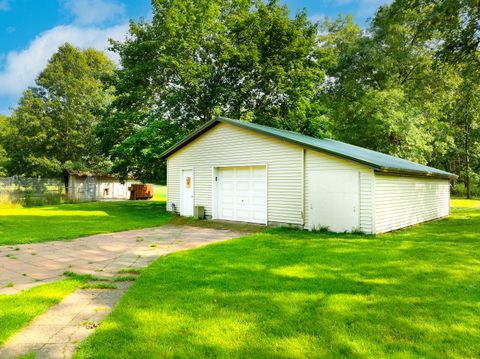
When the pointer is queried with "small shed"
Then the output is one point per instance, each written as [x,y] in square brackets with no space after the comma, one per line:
[87,187]
[241,171]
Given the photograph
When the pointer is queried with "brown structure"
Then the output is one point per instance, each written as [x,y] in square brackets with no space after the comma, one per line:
[141,191]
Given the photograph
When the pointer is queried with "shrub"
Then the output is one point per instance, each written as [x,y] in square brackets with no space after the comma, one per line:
[459,190]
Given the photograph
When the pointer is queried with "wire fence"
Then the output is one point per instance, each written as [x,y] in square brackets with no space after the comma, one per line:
[31,191]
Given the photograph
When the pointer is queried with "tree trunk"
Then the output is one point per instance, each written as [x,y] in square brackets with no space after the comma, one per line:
[65,181]
[468,184]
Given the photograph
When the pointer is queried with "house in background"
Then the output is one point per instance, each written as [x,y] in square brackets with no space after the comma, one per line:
[240,171]
[84,187]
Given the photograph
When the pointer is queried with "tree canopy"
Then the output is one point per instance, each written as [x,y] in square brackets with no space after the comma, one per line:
[52,128]
[4,133]
[200,58]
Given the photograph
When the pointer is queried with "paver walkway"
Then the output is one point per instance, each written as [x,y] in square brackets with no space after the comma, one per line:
[28,265]
[56,333]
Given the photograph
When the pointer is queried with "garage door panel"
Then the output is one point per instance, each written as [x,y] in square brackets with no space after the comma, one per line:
[243,172]
[258,172]
[228,173]
[243,200]
[259,186]
[243,186]
[259,216]
[227,185]
[242,194]
[227,214]
[227,199]
[243,215]
[258,200]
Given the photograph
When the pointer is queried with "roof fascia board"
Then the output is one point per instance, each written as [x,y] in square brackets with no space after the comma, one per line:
[411,173]
[186,140]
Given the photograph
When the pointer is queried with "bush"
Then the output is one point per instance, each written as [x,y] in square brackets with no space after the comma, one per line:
[31,199]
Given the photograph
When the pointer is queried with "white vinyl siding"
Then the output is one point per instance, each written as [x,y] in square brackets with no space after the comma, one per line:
[367,203]
[228,145]
[404,201]
[316,161]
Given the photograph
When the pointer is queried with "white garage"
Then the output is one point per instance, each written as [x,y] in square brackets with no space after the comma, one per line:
[240,171]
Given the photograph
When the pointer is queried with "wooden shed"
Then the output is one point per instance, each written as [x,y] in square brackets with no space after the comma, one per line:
[241,171]
[87,187]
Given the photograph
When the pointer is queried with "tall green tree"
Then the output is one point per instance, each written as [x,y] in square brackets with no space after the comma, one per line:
[392,91]
[53,125]
[200,58]
[4,133]
[371,95]
[462,114]
[454,24]
[449,31]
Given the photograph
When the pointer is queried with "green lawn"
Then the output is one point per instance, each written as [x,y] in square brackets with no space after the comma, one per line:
[293,294]
[67,221]
[160,193]
[17,310]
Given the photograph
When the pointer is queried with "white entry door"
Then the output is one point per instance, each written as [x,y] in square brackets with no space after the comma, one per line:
[187,193]
[333,200]
[242,194]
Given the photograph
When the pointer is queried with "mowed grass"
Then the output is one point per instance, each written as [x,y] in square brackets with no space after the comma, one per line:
[17,310]
[67,221]
[160,193]
[294,294]
[464,203]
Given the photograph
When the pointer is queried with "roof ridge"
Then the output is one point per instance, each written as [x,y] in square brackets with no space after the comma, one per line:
[379,161]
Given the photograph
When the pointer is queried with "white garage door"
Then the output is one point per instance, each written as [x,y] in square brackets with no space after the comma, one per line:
[334,200]
[242,194]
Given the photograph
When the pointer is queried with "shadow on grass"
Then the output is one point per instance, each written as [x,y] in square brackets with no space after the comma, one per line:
[68,221]
[285,294]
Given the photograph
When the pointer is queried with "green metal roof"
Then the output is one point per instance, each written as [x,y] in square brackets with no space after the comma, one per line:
[380,162]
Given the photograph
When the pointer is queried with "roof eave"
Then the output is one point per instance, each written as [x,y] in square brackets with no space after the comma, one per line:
[396,171]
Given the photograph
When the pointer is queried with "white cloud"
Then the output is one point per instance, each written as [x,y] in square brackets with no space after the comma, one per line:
[4,5]
[21,68]
[88,12]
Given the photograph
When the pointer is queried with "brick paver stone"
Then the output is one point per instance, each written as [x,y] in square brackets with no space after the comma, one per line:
[56,333]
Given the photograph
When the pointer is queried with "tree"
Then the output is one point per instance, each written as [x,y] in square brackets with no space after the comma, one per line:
[200,58]
[372,95]
[4,133]
[450,32]
[463,119]
[454,24]
[53,126]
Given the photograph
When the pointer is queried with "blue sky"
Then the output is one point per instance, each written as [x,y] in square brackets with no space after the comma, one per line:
[31,31]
